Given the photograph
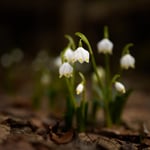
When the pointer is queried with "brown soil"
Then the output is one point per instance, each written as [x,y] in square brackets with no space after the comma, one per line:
[22,128]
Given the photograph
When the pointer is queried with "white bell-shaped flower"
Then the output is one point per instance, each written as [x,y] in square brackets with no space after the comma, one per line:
[81,55]
[105,46]
[120,87]
[79,88]
[69,54]
[127,61]
[65,70]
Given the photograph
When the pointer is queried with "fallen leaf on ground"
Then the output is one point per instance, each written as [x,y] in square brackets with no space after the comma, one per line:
[59,136]
[4,132]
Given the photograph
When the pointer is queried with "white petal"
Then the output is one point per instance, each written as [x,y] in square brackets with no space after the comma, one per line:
[105,46]
[81,55]
[69,53]
[127,61]
[65,70]
[79,88]
[120,87]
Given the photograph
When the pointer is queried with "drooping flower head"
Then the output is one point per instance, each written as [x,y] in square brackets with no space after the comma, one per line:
[127,61]
[105,46]
[120,87]
[69,54]
[81,55]
[79,88]
[65,70]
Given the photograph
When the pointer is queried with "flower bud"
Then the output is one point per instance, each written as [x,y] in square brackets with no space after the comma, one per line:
[120,87]
[79,88]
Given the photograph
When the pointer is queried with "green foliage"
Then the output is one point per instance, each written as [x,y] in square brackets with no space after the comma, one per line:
[69,114]
[116,106]
[81,116]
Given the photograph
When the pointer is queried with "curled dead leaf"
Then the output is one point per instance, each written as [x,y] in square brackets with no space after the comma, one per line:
[60,137]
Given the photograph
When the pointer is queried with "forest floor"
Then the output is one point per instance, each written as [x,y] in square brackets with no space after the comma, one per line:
[22,128]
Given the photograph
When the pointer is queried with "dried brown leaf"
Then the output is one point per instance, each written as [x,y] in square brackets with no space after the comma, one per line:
[62,138]
[4,132]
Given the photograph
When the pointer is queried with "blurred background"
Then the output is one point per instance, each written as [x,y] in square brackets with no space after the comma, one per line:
[36,25]
[32,36]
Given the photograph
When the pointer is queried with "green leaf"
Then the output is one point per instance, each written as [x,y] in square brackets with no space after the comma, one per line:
[97,92]
[86,112]
[117,106]
[81,116]
[69,115]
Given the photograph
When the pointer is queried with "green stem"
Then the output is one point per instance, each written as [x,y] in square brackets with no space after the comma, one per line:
[82,109]
[71,106]
[108,120]
[107,99]
[107,94]
[106,35]
[84,92]
[71,41]
[126,49]
[73,79]
[107,70]
[82,125]
[83,37]
[83,99]
[95,68]
[115,77]
[70,88]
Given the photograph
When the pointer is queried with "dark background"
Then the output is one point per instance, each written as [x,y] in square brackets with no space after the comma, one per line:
[33,25]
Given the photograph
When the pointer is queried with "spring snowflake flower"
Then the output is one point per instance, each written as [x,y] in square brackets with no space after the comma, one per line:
[127,61]
[65,70]
[69,54]
[120,87]
[81,55]
[105,46]
[79,88]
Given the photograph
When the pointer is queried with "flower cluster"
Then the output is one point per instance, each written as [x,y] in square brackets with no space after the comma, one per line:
[111,93]
[69,57]
[79,55]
